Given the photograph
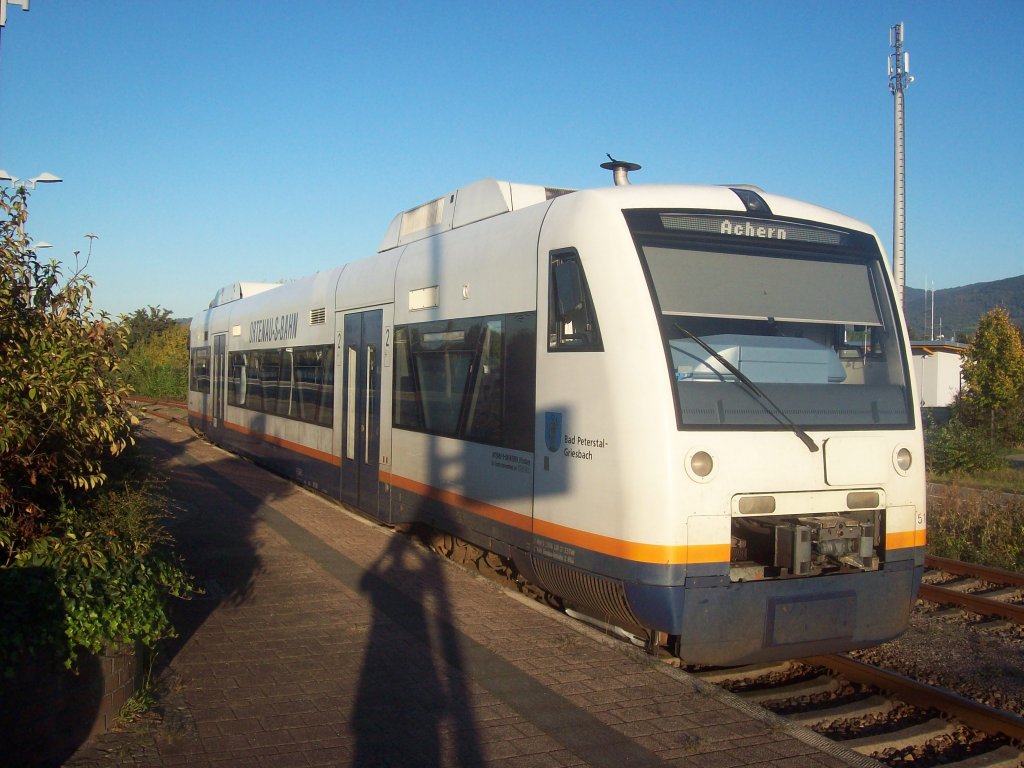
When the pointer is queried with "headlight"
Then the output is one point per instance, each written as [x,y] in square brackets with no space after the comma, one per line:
[903,459]
[700,465]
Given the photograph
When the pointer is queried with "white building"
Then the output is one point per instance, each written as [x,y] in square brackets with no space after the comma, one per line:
[937,366]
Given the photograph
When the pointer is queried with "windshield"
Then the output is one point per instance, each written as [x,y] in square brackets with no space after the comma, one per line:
[806,319]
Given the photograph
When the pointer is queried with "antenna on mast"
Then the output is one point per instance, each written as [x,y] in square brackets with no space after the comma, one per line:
[899,79]
[620,170]
[931,326]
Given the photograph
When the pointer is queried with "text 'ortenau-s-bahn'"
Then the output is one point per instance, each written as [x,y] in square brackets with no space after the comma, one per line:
[686,410]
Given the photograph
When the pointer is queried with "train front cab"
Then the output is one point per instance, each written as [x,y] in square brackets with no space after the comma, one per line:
[669,495]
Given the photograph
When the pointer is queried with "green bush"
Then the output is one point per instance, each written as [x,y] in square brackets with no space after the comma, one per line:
[159,366]
[156,362]
[956,449]
[1003,426]
[64,409]
[100,578]
[83,564]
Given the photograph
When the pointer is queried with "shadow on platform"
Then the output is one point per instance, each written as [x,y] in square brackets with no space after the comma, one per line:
[412,705]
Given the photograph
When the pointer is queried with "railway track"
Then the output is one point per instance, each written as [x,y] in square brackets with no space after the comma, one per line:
[168,410]
[891,717]
[880,714]
[989,592]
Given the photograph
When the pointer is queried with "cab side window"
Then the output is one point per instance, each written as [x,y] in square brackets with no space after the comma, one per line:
[572,322]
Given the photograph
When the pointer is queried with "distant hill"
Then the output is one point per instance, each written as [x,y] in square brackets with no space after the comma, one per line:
[960,308]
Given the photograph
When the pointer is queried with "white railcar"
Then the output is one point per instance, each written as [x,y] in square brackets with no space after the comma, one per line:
[687,410]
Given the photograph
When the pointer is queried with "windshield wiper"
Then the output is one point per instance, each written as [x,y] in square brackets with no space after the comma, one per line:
[762,399]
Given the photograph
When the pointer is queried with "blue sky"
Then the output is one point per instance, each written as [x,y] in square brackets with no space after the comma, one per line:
[209,142]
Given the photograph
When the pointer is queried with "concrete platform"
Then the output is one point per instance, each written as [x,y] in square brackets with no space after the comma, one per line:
[324,639]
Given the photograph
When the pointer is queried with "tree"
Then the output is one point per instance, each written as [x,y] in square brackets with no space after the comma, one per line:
[156,364]
[63,408]
[143,324]
[993,372]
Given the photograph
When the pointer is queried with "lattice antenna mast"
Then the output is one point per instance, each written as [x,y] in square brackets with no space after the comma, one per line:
[899,79]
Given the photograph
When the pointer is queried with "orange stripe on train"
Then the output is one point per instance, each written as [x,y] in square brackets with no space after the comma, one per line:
[906,539]
[607,545]
[304,450]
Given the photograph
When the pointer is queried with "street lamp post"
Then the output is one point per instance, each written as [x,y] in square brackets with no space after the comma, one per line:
[3,8]
[42,178]
[22,184]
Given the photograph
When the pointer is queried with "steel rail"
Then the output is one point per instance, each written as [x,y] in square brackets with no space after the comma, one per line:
[976,603]
[972,713]
[158,401]
[984,572]
[164,403]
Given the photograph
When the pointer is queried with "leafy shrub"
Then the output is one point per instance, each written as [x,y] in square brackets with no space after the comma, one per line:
[1004,426]
[82,565]
[63,406]
[955,448]
[99,578]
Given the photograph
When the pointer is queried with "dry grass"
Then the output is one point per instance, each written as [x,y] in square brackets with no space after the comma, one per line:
[1009,479]
[976,526]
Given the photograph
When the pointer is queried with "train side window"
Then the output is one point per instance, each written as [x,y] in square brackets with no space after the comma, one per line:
[236,391]
[253,383]
[407,410]
[470,378]
[484,410]
[307,378]
[200,378]
[325,412]
[296,383]
[520,380]
[442,375]
[243,382]
[572,322]
[287,397]
[313,383]
[270,372]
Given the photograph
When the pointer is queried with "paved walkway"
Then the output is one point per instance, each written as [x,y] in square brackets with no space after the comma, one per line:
[326,640]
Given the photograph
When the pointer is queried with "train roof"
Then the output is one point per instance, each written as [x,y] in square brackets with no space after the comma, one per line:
[477,201]
[241,290]
[492,197]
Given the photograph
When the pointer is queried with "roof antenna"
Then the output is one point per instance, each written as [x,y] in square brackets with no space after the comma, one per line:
[620,170]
